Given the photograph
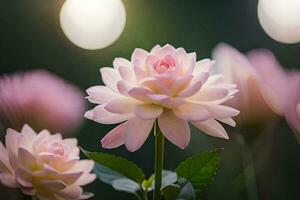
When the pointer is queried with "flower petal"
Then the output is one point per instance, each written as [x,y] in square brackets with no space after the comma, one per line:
[101,115]
[192,112]
[120,106]
[124,87]
[174,129]
[110,77]
[212,127]
[220,111]
[148,111]
[228,121]
[118,62]
[210,94]
[127,73]
[140,93]
[203,66]
[101,94]
[137,132]
[115,137]
[11,142]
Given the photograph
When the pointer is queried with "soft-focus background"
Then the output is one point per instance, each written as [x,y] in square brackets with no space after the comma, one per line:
[31,38]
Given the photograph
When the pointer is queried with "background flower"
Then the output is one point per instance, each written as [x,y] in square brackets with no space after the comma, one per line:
[167,84]
[266,89]
[44,165]
[282,86]
[40,99]
[256,110]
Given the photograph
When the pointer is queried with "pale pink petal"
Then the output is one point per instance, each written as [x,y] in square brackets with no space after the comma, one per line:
[212,127]
[28,132]
[24,177]
[101,94]
[228,121]
[101,115]
[27,159]
[210,94]
[140,93]
[180,83]
[139,54]
[52,185]
[148,111]
[169,102]
[71,192]
[71,142]
[124,87]
[127,73]
[11,142]
[86,195]
[137,132]
[192,112]
[155,49]
[220,111]
[118,62]
[115,137]
[165,50]
[121,106]
[190,90]
[174,129]
[203,66]
[110,77]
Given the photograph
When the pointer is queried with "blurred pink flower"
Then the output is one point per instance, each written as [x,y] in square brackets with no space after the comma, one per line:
[252,98]
[44,165]
[266,89]
[167,84]
[282,86]
[40,99]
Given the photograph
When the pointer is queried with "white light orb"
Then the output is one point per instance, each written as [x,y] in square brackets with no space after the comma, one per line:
[93,24]
[280,19]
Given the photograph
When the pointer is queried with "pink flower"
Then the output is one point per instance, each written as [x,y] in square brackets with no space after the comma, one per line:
[252,99]
[44,165]
[283,86]
[167,84]
[266,89]
[40,99]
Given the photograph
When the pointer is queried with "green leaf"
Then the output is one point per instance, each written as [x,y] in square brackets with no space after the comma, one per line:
[200,170]
[170,192]
[168,178]
[106,175]
[187,191]
[126,185]
[116,180]
[148,185]
[118,164]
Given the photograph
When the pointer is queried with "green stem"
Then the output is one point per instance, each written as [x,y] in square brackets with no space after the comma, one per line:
[249,170]
[159,159]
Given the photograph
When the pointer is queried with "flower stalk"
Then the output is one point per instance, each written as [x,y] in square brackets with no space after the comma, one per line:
[159,159]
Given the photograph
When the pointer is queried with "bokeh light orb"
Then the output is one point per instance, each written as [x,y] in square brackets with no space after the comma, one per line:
[93,24]
[280,19]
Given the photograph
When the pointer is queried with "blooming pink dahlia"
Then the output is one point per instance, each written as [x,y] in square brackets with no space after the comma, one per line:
[44,165]
[166,84]
[41,99]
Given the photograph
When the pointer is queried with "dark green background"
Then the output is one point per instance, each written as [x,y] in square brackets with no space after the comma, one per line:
[31,37]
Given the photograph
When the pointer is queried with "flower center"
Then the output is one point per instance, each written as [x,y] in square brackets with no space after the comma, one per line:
[165,64]
[56,148]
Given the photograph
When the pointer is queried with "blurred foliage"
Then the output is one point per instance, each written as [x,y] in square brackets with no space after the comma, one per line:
[31,37]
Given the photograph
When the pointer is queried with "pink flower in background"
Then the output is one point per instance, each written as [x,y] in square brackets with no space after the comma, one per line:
[266,89]
[40,99]
[167,84]
[282,86]
[44,165]
[251,100]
